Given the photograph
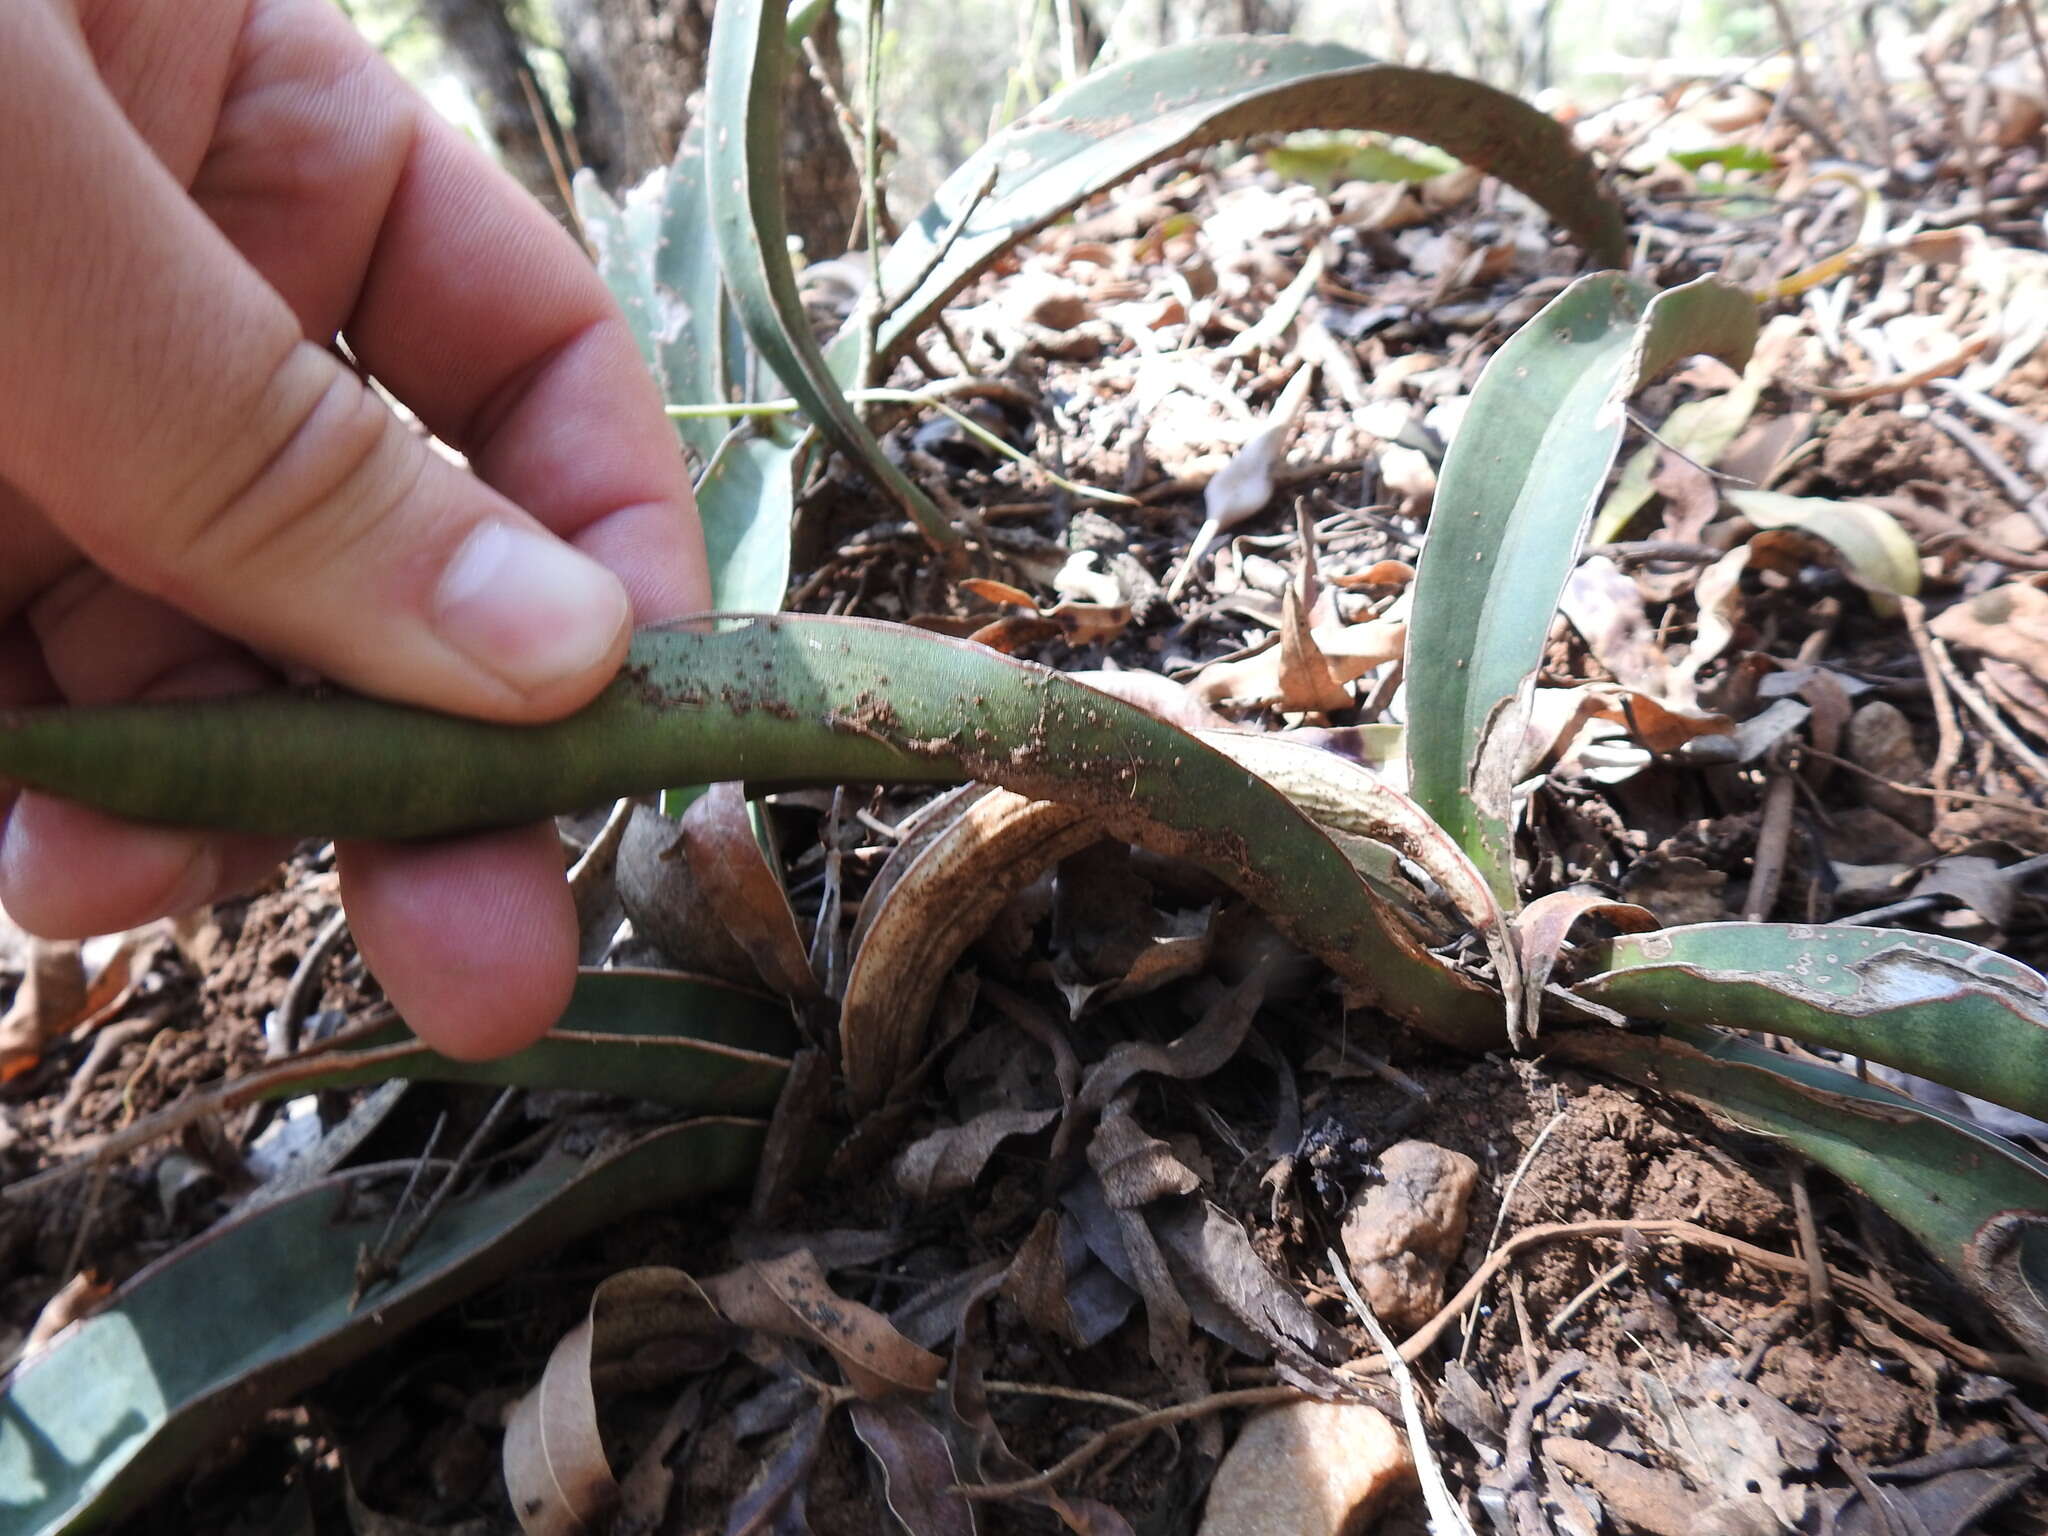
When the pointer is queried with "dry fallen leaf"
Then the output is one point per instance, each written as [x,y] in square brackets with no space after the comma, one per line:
[1881,557]
[745,889]
[790,1297]
[2009,622]
[51,999]
[952,1158]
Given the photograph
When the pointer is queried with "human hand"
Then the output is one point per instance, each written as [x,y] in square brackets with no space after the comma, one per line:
[196,488]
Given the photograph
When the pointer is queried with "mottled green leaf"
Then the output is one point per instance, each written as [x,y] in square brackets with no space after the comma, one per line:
[202,1342]
[788,699]
[1512,505]
[1936,1007]
[1108,127]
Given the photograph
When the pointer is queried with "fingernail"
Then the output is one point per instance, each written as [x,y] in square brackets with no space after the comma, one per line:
[528,608]
[200,881]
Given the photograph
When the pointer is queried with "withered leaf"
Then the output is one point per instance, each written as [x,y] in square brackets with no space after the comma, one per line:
[953,1157]
[790,1297]
[745,889]
[917,1468]
[1135,1168]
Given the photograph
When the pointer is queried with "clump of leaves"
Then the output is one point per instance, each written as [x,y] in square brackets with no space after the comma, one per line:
[1320,847]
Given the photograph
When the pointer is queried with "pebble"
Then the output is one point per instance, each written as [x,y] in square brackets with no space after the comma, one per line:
[1308,1469]
[1403,1234]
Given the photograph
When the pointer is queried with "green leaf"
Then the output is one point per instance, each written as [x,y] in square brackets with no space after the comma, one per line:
[746,501]
[1510,516]
[699,361]
[1110,126]
[743,97]
[1977,1202]
[1936,1007]
[1325,160]
[693,1044]
[204,1341]
[782,700]
[1699,429]
[1730,157]
[1881,556]
[623,243]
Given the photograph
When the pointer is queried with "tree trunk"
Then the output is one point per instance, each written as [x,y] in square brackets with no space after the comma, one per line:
[637,70]
[490,56]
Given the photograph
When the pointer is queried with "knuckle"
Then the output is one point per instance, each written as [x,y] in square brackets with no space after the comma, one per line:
[322,466]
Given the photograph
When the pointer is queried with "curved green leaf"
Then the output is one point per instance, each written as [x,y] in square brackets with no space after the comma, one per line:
[746,502]
[1512,505]
[1938,1008]
[202,1342]
[781,700]
[1110,126]
[743,96]
[1978,1202]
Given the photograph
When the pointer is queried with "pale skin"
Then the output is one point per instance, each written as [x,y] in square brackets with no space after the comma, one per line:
[197,491]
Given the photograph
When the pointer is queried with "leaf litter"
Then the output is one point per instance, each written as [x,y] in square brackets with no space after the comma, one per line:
[1731,630]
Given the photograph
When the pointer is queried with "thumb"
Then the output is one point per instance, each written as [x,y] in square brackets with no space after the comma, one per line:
[165,411]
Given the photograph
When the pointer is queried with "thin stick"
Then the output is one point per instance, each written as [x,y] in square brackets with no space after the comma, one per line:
[2015,1366]
[1987,714]
[2003,802]
[380,1265]
[543,121]
[1584,1299]
[871,191]
[1894,384]
[2022,495]
[283,1037]
[922,399]
[1445,1518]
[1818,1291]
[1773,836]
[1088,1450]
[1426,1337]
[1948,750]
[1507,1200]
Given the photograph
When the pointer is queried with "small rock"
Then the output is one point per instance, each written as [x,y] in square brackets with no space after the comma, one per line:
[1046,300]
[1308,1469]
[1401,1235]
[1865,835]
[1881,742]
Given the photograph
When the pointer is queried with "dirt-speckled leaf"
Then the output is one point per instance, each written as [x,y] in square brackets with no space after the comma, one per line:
[203,1341]
[1978,1202]
[1110,126]
[779,700]
[1936,1007]
[791,1297]
[1511,510]
[743,96]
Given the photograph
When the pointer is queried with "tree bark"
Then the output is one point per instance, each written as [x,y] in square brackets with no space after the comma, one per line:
[637,73]
[490,56]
